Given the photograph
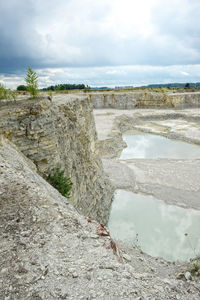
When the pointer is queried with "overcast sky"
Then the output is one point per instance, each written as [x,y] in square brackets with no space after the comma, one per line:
[100,42]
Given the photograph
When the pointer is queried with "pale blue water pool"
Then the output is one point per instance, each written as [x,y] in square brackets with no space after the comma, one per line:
[161,230]
[144,145]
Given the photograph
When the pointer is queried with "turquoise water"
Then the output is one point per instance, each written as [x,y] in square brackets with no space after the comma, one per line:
[144,145]
[162,230]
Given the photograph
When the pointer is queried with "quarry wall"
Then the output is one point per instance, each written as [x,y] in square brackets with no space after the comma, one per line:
[62,133]
[132,100]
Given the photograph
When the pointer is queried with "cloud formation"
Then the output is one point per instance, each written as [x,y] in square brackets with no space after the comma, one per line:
[95,34]
[110,76]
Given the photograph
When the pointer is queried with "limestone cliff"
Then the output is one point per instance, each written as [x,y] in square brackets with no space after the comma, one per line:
[62,132]
[132,100]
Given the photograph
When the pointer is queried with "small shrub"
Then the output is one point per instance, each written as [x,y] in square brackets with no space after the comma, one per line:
[162,90]
[7,94]
[59,181]
[2,92]
[195,271]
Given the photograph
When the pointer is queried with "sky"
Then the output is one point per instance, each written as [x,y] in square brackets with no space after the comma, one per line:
[100,42]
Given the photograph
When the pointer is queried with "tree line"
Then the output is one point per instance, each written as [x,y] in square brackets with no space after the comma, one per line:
[65,86]
[58,87]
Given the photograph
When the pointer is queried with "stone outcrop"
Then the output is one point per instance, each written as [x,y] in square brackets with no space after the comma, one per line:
[132,100]
[62,133]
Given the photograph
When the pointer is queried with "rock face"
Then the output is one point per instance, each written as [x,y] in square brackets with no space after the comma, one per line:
[62,133]
[131,100]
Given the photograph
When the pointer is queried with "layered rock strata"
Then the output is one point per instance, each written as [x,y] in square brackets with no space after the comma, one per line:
[132,100]
[62,133]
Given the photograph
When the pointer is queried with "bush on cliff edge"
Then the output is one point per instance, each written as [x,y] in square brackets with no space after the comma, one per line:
[59,181]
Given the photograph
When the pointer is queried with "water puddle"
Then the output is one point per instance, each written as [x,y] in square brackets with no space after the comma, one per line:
[145,145]
[161,230]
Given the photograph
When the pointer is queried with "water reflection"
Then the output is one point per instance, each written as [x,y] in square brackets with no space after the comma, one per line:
[145,145]
[160,227]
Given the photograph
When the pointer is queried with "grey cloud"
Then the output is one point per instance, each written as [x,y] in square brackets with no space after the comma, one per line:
[18,38]
[179,25]
[76,33]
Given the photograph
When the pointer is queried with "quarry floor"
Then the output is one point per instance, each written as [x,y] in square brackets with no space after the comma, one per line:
[176,181]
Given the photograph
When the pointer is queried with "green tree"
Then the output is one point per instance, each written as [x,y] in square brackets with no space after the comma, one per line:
[21,88]
[187,85]
[32,82]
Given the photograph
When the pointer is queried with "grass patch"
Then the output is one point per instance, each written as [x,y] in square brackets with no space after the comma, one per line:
[195,271]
